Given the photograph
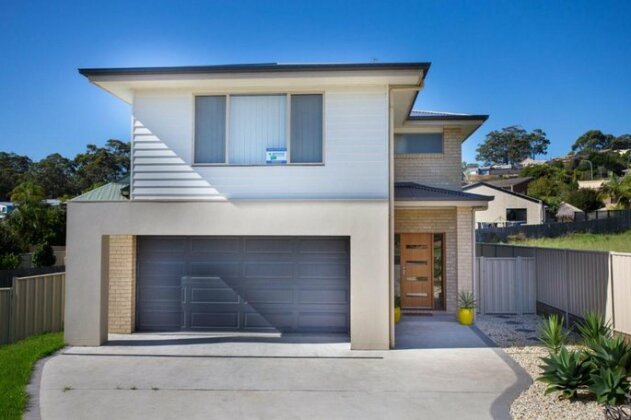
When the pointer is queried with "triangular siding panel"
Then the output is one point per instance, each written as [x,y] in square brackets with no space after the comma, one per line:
[159,173]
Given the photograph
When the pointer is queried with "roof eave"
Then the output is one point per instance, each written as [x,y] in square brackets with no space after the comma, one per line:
[253,68]
[440,203]
[481,118]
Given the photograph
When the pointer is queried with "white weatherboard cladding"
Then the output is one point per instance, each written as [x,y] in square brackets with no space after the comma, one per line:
[355,153]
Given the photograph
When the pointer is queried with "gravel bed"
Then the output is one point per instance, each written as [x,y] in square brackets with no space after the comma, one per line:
[517,335]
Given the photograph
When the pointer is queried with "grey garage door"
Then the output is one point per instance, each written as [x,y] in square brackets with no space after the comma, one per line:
[289,284]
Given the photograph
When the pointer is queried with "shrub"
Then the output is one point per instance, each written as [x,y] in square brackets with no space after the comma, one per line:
[594,329]
[610,386]
[565,372]
[43,255]
[551,333]
[611,353]
[9,261]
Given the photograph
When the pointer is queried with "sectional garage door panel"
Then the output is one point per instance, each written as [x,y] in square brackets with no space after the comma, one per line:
[289,284]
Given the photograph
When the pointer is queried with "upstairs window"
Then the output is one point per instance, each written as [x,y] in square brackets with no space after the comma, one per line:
[240,129]
[306,128]
[210,129]
[418,143]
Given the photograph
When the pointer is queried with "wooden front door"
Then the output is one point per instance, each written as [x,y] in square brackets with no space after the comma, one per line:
[416,270]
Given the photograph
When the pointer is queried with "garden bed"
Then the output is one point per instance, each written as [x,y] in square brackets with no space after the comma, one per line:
[517,336]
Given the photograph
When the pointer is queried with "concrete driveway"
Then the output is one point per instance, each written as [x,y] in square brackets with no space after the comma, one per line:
[440,371]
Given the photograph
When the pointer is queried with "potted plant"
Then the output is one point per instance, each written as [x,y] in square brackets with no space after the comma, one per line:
[466,307]
[397,309]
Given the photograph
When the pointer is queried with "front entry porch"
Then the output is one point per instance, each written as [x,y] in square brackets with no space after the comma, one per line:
[434,246]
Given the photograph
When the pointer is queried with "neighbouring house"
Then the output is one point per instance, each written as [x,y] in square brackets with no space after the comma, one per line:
[508,208]
[113,191]
[274,198]
[592,184]
[531,162]
[498,170]
[567,212]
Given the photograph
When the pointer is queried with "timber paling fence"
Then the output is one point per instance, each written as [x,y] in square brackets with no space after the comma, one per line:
[614,222]
[33,305]
[520,279]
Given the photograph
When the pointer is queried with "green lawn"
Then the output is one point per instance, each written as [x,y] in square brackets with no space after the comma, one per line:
[620,242]
[16,364]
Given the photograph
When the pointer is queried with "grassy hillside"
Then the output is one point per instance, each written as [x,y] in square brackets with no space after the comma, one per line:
[620,242]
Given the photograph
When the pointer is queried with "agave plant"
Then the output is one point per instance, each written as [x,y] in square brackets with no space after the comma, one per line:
[610,386]
[612,353]
[551,333]
[594,329]
[466,300]
[566,372]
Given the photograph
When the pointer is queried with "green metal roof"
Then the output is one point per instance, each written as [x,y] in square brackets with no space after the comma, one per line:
[114,191]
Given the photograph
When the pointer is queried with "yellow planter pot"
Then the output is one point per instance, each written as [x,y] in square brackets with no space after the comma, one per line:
[397,315]
[465,316]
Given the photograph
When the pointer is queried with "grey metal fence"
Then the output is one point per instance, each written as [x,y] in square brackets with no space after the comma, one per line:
[506,285]
[616,222]
[572,282]
[33,305]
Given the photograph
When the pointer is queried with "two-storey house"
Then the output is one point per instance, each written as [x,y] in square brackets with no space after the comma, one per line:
[274,197]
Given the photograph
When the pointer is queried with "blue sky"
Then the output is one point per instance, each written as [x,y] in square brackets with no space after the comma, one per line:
[564,67]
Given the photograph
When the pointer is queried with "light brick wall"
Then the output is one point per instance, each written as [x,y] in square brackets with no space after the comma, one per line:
[435,221]
[122,284]
[440,170]
[465,225]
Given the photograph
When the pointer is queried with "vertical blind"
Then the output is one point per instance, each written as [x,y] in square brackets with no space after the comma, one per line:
[306,128]
[210,129]
[256,123]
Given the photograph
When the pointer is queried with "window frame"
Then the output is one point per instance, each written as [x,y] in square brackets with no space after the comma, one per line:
[517,210]
[288,95]
[413,131]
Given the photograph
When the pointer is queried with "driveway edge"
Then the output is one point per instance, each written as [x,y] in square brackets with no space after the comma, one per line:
[32,411]
[501,406]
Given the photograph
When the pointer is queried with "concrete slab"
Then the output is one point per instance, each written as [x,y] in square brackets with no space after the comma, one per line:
[226,376]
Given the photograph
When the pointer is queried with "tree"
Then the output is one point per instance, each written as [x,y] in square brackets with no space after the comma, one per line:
[592,141]
[619,191]
[512,145]
[12,170]
[9,243]
[56,174]
[100,165]
[43,255]
[585,199]
[28,194]
[33,221]
[622,142]
[551,183]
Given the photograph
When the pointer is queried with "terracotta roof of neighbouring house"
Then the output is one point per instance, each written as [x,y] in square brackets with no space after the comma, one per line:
[411,191]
